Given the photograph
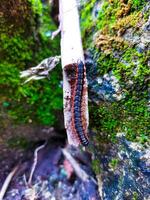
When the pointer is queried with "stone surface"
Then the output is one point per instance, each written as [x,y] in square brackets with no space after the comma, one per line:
[101,88]
[140,38]
[125,171]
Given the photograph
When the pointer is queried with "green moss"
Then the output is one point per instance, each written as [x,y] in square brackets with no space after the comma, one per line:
[16,50]
[135,196]
[34,102]
[96,166]
[36,6]
[137,4]
[106,62]
[114,17]
[114,163]
[130,115]
[87,23]
[134,67]
[113,12]
[122,24]
[106,16]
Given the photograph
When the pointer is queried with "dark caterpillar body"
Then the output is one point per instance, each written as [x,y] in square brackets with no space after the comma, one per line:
[77,105]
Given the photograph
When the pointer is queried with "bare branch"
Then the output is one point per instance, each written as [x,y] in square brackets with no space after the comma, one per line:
[35,162]
[55,33]
[7,182]
[78,170]
[41,70]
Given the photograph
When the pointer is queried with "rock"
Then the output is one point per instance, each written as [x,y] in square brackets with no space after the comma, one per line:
[145,39]
[130,36]
[141,47]
[104,88]
[125,171]
[146,8]
[146,26]
[140,38]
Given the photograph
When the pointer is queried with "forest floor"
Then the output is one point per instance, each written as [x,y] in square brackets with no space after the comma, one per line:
[43,172]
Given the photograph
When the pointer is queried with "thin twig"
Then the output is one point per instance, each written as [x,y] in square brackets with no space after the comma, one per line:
[7,182]
[41,70]
[55,33]
[25,180]
[35,162]
[78,170]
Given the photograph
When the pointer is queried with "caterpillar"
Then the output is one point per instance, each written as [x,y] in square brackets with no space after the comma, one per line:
[77,104]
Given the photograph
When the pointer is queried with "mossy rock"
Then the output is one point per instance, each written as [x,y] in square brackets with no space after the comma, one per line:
[112,52]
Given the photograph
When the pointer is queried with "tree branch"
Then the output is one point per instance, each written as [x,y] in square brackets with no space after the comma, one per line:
[7,182]
[71,52]
[41,70]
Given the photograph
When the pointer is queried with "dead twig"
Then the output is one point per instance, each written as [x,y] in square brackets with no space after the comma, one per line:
[25,180]
[35,162]
[55,33]
[78,170]
[41,70]
[7,182]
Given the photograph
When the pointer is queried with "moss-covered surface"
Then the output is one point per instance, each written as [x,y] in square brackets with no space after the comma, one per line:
[25,28]
[105,34]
